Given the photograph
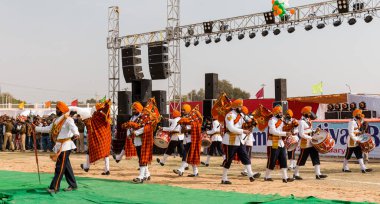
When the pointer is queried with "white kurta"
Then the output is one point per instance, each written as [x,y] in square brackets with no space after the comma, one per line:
[68,130]
[137,141]
[174,128]
[303,130]
[276,131]
[353,129]
[234,129]
[215,131]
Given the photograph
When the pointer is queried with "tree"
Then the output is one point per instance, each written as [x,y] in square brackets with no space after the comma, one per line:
[8,98]
[223,86]
[91,101]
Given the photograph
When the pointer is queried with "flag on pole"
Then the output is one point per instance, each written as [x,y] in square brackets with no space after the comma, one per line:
[48,104]
[260,93]
[103,99]
[21,105]
[317,88]
[74,102]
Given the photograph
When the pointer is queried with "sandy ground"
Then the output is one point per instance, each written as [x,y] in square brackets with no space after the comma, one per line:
[353,186]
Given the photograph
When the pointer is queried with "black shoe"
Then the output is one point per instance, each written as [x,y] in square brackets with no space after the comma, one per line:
[51,190]
[243,173]
[319,177]
[346,171]
[287,180]
[221,165]
[204,164]
[159,161]
[256,175]
[268,179]
[147,178]
[176,171]
[193,175]
[70,188]
[138,180]
[106,173]
[226,182]
[251,179]
[297,177]
[117,161]
[366,171]
[82,167]
[187,168]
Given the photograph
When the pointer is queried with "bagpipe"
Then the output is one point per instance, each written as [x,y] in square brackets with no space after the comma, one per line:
[262,116]
[289,125]
[221,107]
[193,116]
[149,115]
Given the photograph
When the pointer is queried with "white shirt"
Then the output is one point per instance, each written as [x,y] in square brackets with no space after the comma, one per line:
[303,130]
[276,131]
[233,128]
[175,128]
[187,138]
[353,128]
[215,131]
[137,141]
[68,130]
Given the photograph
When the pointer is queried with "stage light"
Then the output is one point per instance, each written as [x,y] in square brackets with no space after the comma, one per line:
[190,31]
[223,27]
[321,25]
[276,31]
[196,42]
[229,37]
[217,39]
[368,18]
[291,29]
[264,33]
[208,40]
[308,27]
[337,22]
[352,21]
[252,34]
[241,35]
[187,43]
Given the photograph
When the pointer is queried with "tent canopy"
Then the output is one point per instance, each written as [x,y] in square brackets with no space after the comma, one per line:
[324,99]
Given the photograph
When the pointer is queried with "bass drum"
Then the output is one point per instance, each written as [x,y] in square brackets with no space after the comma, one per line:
[291,142]
[162,139]
[324,142]
[206,141]
[366,143]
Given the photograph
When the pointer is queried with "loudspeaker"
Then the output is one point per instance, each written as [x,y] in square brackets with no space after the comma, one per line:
[269,17]
[160,97]
[284,105]
[128,61]
[346,115]
[124,102]
[343,6]
[207,106]
[158,59]
[159,71]
[132,73]
[369,114]
[130,52]
[332,115]
[211,86]
[164,120]
[358,6]
[157,49]
[141,90]
[280,89]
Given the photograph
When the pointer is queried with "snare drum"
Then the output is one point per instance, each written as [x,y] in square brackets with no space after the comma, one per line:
[366,142]
[291,143]
[324,142]
[206,141]
[162,139]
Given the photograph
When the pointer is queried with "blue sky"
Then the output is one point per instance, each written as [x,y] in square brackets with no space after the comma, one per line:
[60,46]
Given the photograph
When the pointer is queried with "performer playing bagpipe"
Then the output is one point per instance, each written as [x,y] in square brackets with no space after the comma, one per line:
[99,137]
[191,123]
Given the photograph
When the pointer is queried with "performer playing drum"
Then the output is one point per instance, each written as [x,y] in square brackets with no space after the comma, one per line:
[276,147]
[353,140]
[291,125]
[176,138]
[216,139]
[305,132]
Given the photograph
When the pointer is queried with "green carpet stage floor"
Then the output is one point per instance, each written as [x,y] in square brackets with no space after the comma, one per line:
[18,187]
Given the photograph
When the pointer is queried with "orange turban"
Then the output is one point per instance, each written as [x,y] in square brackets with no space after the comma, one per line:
[245,110]
[289,112]
[276,110]
[357,112]
[306,110]
[99,106]
[137,106]
[238,103]
[186,108]
[62,107]
[176,114]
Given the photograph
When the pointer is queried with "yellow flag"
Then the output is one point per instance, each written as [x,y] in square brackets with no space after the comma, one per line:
[317,88]
[21,105]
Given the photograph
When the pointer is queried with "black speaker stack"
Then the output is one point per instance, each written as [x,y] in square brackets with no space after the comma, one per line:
[130,58]
[141,90]
[280,90]
[158,61]
[211,93]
